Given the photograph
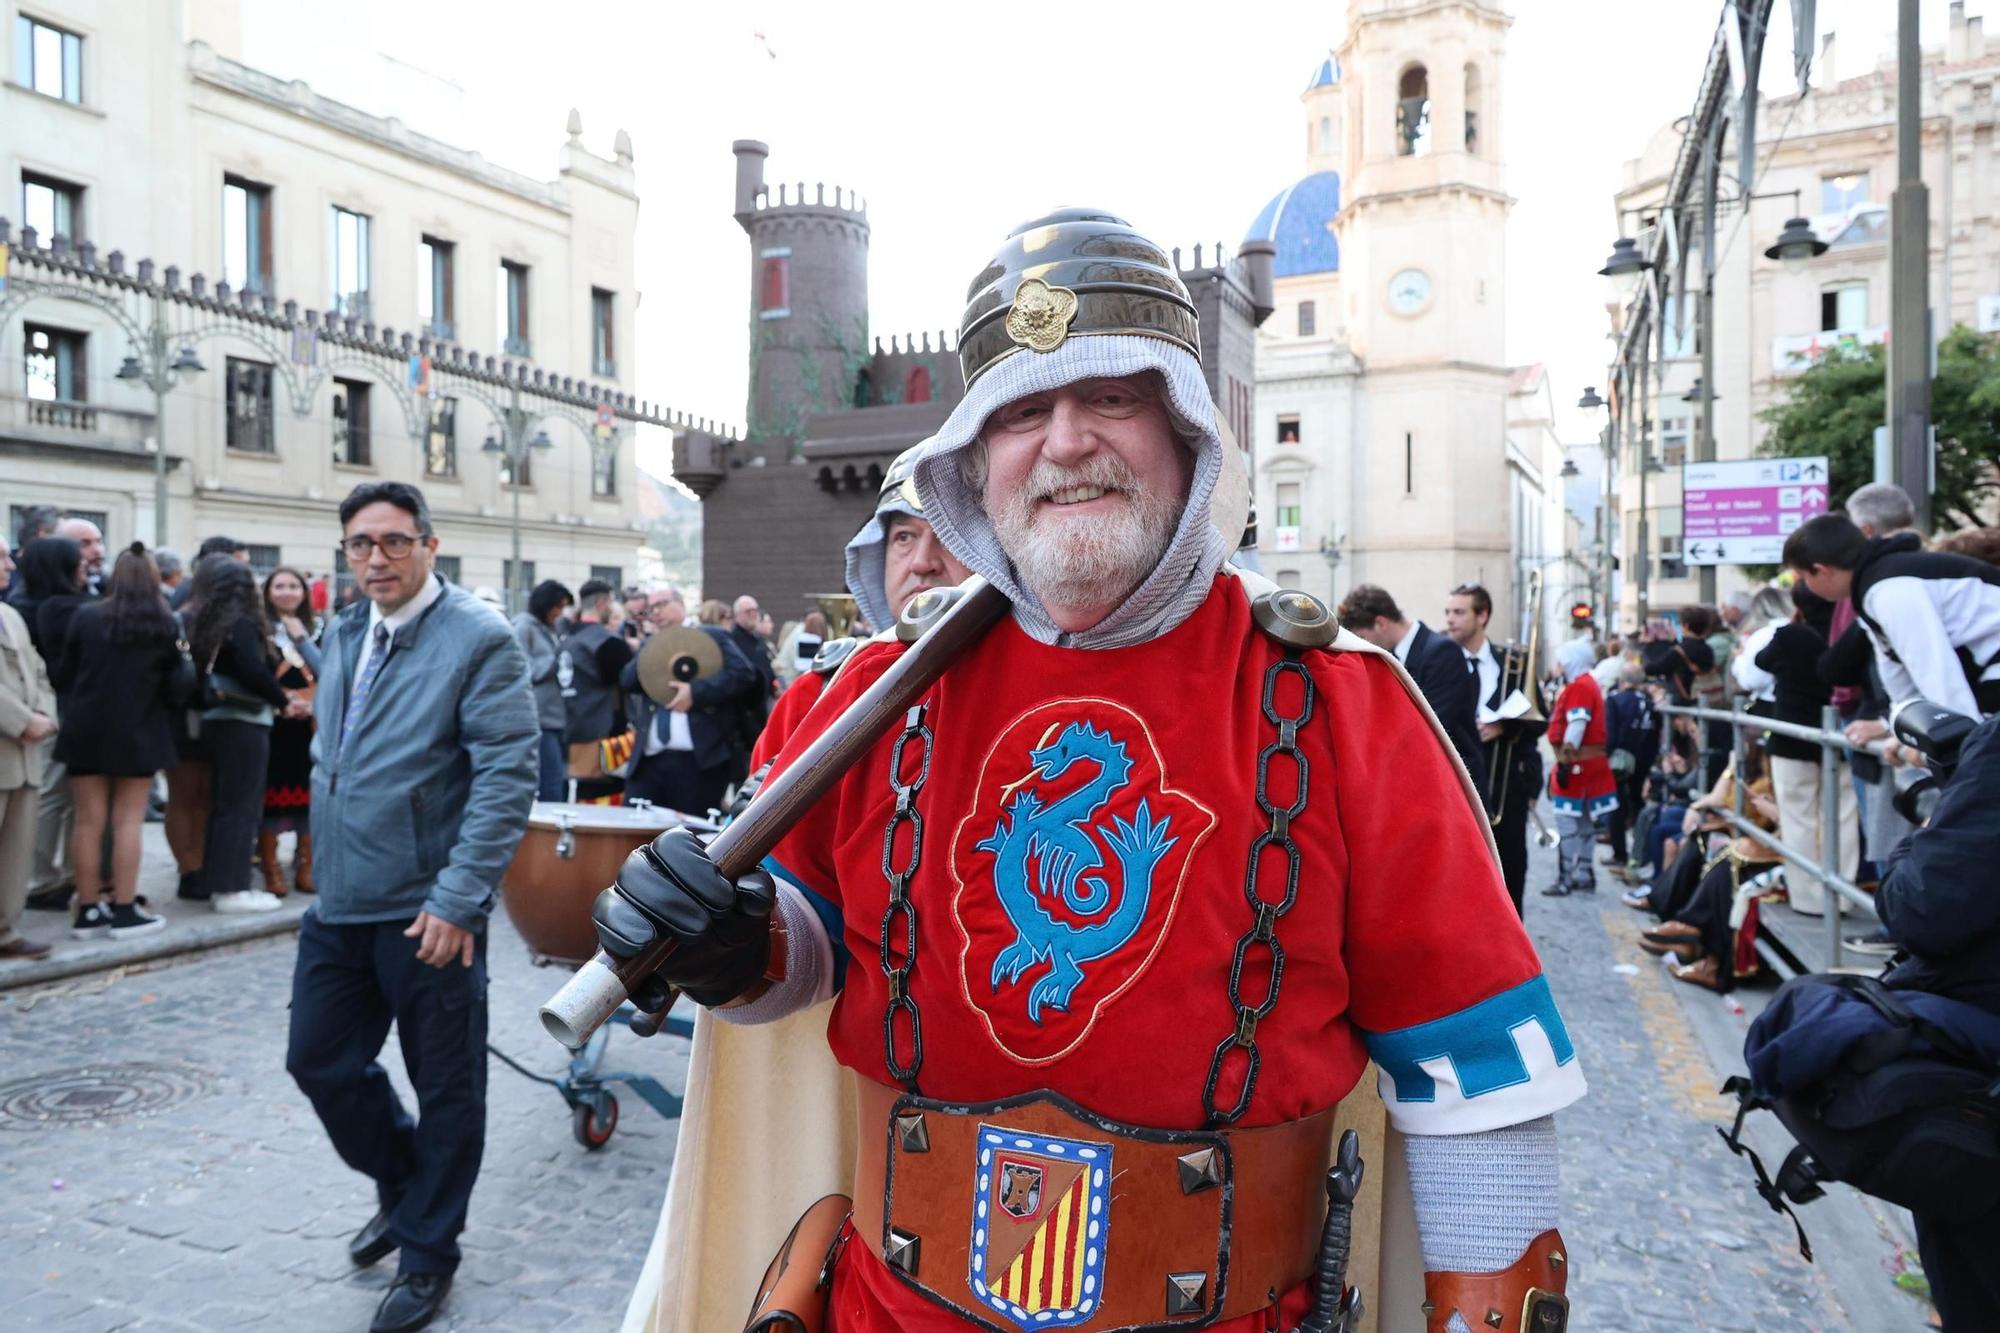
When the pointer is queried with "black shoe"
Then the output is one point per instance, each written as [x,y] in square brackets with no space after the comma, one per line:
[91,922]
[1556,891]
[191,889]
[372,1243]
[52,900]
[131,919]
[411,1303]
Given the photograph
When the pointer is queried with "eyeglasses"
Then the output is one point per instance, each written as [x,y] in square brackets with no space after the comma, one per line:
[395,545]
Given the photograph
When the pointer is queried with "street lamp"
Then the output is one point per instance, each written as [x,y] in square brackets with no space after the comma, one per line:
[513,448]
[1625,265]
[148,365]
[1797,242]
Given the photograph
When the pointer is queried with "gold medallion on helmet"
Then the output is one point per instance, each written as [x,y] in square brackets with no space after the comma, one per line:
[1041,314]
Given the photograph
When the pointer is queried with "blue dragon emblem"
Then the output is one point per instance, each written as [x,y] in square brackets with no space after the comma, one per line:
[1045,851]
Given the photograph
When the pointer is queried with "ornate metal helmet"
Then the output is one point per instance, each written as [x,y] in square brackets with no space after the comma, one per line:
[899,487]
[1072,273]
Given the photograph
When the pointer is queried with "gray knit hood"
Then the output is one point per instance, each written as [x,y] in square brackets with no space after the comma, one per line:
[1182,579]
[868,561]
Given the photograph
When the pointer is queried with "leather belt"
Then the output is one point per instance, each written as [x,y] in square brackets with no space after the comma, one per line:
[1008,1210]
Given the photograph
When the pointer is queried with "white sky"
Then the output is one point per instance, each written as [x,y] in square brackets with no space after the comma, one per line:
[957,121]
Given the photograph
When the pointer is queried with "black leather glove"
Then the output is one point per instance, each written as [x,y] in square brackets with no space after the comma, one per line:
[721,931]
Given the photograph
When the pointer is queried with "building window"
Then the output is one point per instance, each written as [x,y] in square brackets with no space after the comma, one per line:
[1870,227]
[1844,309]
[513,307]
[1289,578]
[1472,91]
[264,560]
[48,59]
[527,583]
[1289,507]
[1675,432]
[1837,194]
[447,567]
[350,263]
[436,302]
[1308,319]
[603,348]
[1325,134]
[246,234]
[774,283]
[525,475]
[1288,429]
[1672,566]
[350,422]
[917,385]
[611,574]
[441,438]
[604,470]
[56,368]
[1676,330]
[52,207]
[248,385]
[1409,464]
[1413,112]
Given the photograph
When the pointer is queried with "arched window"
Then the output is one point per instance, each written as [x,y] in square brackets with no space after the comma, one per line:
[775,286]
[1472,94]
[1413,112]
[917,385]
[1326,134]
[864,388]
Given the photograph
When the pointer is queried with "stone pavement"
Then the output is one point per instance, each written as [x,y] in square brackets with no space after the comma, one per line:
[198,1191]
[190,926]
[1663,1222]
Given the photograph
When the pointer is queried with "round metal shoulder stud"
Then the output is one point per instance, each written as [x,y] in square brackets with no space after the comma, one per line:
[925,610]
[1295,619]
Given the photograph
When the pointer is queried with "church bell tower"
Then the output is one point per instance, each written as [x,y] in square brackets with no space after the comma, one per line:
[1422,235]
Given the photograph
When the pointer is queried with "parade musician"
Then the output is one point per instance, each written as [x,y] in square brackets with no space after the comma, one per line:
[1036,997]
[1509,755]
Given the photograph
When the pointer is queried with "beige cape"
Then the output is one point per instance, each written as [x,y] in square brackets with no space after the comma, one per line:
[769,1127]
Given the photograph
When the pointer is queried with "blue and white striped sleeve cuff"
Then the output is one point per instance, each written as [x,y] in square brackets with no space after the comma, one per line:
[1503,1061]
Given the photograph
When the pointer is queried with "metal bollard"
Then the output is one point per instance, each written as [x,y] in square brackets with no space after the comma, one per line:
[1830,775]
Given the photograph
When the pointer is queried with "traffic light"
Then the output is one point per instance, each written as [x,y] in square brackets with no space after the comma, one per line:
[1579,614]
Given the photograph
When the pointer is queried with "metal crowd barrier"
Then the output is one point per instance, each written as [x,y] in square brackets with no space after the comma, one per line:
[1832,743]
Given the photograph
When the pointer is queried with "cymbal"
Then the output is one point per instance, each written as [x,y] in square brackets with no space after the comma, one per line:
[677,654]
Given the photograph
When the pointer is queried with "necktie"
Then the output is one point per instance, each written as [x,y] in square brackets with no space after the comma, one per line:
[357,698]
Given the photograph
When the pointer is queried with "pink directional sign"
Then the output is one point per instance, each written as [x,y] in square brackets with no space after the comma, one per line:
[1741,512]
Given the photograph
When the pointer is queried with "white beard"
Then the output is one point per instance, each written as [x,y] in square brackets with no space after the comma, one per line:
[1075,561]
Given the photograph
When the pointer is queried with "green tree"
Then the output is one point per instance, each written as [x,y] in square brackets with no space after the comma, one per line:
[1835,406]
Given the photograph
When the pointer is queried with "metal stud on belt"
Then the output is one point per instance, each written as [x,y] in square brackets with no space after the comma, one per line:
[901,911]
[1264,926]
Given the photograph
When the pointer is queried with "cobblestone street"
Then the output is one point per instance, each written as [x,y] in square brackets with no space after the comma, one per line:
[214,1201]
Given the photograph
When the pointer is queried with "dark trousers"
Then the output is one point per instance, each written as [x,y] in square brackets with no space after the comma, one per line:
[553,764]
[239,753]
[1631,799]
[350,981]
[671,779]
[1959,1261]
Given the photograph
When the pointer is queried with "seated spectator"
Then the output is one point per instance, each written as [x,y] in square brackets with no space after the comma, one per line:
[1933,617]
[117,655]
[1711,932]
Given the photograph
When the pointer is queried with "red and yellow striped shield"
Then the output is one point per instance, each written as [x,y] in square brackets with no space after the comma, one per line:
[1039,1225]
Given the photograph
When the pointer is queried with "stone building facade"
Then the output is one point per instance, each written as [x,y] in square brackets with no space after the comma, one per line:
[1391,448]
[1836,146]
[830,406]
[134,128]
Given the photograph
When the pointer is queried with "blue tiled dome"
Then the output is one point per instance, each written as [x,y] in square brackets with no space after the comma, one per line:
[1325,74]
[1299,221]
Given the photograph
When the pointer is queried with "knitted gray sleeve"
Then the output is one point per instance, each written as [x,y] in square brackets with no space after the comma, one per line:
[1481,1198]
[808,965]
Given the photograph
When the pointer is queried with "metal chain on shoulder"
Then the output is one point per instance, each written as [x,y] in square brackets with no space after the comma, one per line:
[1264,928]
[901,912]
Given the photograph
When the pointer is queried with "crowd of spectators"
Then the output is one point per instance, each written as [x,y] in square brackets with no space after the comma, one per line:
[94,650]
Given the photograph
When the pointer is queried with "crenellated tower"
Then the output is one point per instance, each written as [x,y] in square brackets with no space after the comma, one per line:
[808,301]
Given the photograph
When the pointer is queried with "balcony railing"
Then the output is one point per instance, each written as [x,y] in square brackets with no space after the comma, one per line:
[66,421]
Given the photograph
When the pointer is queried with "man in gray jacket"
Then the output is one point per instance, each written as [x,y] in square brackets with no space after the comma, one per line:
[423,775]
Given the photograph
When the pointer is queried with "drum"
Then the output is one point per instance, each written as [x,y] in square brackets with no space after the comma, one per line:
[570,853]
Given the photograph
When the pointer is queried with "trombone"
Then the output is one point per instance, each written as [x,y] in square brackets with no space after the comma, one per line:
[1519,671]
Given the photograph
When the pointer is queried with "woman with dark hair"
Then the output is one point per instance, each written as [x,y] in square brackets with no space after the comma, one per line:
[288,774]
[115,659]
[1801,696]
[52,570]
[535,629]
[232,645]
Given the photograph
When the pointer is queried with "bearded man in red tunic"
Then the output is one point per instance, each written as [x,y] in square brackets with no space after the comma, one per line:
[1129,901]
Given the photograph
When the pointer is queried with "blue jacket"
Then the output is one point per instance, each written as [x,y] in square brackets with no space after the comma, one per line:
[423,810]
[1631,724]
